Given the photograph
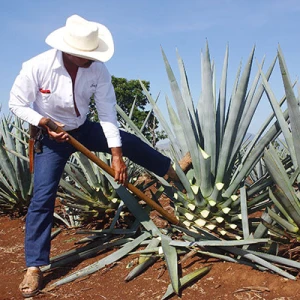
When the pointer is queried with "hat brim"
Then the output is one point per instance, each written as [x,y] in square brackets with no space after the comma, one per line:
[103,52]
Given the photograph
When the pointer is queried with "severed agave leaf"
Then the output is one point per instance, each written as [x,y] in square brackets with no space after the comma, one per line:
[172,262]
[185,280]
[141,267]
[152,244]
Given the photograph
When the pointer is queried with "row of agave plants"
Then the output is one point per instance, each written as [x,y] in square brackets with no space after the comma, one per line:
[231,178]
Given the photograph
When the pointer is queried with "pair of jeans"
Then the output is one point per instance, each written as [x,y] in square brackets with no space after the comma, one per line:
[48,168]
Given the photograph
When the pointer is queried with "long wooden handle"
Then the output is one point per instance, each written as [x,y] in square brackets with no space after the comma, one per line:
[31,155]
[77,145]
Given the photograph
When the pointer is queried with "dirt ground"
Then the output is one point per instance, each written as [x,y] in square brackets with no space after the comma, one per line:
[224,281]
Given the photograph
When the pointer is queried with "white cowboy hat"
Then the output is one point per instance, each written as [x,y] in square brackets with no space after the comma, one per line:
[83,38]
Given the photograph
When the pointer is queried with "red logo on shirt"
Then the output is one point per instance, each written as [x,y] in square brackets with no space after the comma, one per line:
[45,91]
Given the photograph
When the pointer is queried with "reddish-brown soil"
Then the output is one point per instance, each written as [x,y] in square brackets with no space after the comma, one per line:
[224,281]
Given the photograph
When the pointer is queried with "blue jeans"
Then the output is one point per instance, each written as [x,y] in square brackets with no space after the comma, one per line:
[48,168]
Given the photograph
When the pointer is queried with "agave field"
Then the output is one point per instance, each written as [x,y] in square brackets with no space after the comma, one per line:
[238,201]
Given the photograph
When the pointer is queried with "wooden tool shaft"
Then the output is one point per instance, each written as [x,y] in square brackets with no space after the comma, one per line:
[77,145]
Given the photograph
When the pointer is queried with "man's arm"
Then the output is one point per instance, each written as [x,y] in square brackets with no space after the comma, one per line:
[105,101]
[22,94]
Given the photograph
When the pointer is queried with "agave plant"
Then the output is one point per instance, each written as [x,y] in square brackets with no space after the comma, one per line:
[284,218]
[15,178]
[214,138]
[229,179]
[84,190]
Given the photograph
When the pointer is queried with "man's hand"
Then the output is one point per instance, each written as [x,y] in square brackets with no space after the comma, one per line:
[119,165]
[58,137]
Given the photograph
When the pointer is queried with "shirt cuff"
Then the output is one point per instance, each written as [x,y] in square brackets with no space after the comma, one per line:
[35,120]
[114,142]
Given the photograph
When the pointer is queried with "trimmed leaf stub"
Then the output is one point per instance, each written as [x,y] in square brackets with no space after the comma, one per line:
[211,226]
[189,216]
[233,226]
[219,219]
[204,154]
[191,206]
[195,189]
[234,197]
[226,210]
[212,202]
[187,223]
[200,222]
[204,213]
[219,186]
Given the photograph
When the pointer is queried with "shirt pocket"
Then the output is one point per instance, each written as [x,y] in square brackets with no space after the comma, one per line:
[44,94]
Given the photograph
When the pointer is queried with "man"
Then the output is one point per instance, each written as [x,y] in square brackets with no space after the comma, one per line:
[58,85]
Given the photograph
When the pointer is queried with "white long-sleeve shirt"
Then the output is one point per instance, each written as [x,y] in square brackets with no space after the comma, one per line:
[44,89]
